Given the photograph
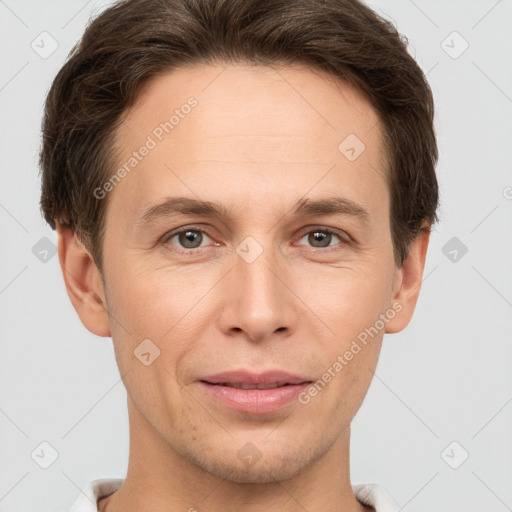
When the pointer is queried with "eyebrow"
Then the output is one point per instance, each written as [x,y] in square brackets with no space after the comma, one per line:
[304,207]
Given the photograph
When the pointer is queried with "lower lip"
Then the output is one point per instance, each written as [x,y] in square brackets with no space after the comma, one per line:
[256,401]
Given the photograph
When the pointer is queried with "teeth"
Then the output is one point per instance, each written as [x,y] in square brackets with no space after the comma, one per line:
[254,386]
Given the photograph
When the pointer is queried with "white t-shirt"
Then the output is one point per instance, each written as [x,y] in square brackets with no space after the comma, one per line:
[373,495]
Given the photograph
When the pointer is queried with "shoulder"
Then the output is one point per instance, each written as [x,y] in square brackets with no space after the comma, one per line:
[376,496]
[87,501]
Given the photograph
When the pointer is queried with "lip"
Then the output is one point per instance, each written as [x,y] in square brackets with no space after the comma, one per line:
[254,401]
[248,377]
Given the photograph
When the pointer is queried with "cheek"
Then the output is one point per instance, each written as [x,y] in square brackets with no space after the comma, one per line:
[154,301]
[167,306]
[348,300]
[350,306]
[152,325]
[351,309]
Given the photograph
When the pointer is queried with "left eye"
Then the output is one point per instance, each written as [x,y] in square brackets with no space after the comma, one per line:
[188,238]
[320,238]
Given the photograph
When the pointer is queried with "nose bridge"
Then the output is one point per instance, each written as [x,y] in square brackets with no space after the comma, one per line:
[259,276]
[260,301]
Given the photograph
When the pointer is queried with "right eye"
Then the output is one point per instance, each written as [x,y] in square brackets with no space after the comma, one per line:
[186,239]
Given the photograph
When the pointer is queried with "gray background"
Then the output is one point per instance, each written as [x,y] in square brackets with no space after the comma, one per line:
[443,387]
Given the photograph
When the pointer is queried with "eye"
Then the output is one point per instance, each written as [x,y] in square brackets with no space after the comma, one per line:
[322,237]
[186,238]
[189,239]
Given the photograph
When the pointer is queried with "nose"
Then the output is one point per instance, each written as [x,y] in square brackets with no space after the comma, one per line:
[259,303]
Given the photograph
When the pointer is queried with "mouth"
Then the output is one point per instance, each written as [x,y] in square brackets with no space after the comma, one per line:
[254,393]
[246,385]
[262,380]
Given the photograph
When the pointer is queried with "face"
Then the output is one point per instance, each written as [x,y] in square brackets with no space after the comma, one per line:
[283,270]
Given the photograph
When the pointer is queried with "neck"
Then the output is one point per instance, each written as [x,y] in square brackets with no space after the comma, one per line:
[159,479]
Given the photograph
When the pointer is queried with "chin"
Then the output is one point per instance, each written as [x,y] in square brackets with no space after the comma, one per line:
[260,473]
[266,467]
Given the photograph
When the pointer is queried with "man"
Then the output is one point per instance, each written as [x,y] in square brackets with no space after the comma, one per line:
[243,193]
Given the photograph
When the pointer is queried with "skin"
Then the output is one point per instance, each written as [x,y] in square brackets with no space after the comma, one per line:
[259,140]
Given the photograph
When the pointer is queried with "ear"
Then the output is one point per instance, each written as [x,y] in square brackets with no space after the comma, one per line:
[407,284]
[83,282]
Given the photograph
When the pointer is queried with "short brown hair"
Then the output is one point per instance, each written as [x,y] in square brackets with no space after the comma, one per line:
[136,40]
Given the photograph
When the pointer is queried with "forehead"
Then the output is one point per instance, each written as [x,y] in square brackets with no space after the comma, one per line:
[255,100]
[278,131]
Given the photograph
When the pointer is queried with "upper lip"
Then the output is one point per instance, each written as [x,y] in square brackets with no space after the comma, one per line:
[248,377]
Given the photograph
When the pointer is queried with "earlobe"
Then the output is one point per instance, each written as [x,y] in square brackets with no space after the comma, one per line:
[83,282]
[407,284]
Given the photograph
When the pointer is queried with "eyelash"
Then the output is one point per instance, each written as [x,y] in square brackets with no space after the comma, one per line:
[168,237]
